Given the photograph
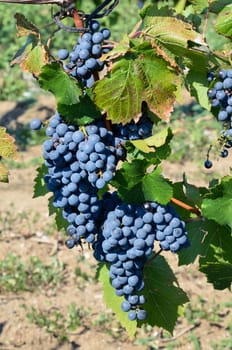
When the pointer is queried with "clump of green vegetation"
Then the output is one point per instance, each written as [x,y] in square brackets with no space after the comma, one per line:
[58,324]
[17,275]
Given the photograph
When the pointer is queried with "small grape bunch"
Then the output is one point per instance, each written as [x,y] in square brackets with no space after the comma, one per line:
[84,60]
[220,97]
[134,131]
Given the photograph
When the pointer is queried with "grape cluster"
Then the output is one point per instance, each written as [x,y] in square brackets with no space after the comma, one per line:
[80,161]
[126,240]
[84,60]
[220,97]
[170,230]
[134,131]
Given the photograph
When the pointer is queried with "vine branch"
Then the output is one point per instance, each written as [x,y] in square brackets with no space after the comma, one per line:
[186,206]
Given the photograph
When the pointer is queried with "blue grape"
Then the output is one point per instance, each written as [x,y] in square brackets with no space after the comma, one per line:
[36,124]
[97,38]
[94,25]
[106,33]
[132,315]
[63,54]
[227,83]
[222,115]
[222,74]
[91,63]
[208,164]
[141,315]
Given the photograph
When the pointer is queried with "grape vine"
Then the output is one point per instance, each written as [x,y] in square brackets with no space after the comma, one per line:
[102,159]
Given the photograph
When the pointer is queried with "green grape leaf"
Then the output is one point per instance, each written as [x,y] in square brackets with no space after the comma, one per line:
[223,23]
[189,195]
[164,27]
[24,26]
[7,145]
[204,236]
[128,179]
[153,142]
[61,223]
[135,185]
[142,146]
[198,85]
[160,138]
[218,273]
[156,188]
[40,187]
[64,88]
[3,173]
[85,112]
[196,234]
[140,76]
[120,93]
[163,295]
[113,302]
[219,197]
[193,194]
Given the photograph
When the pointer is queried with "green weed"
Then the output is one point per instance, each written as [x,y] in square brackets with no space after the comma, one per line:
[226,343]
[12,220]
[200,310]
[56,323]
[17,275]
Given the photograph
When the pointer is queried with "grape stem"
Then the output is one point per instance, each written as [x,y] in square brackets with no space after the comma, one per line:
[78,21]
[186,206]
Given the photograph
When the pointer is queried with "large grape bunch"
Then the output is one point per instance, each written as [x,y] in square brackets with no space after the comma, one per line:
[127,240]
[84,59]
[80,161]
[220,96]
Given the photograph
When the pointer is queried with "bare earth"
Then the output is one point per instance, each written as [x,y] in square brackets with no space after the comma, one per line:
[30,238]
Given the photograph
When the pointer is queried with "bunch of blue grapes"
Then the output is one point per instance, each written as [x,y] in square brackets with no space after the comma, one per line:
[170,230]
[220,96]
[134,131]
[126,240]
[80,161]
[84,60]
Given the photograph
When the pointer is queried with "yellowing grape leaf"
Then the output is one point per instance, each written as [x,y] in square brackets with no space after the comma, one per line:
[163,26]
[36,59]
[7,145]
[31,57]
[24,26]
